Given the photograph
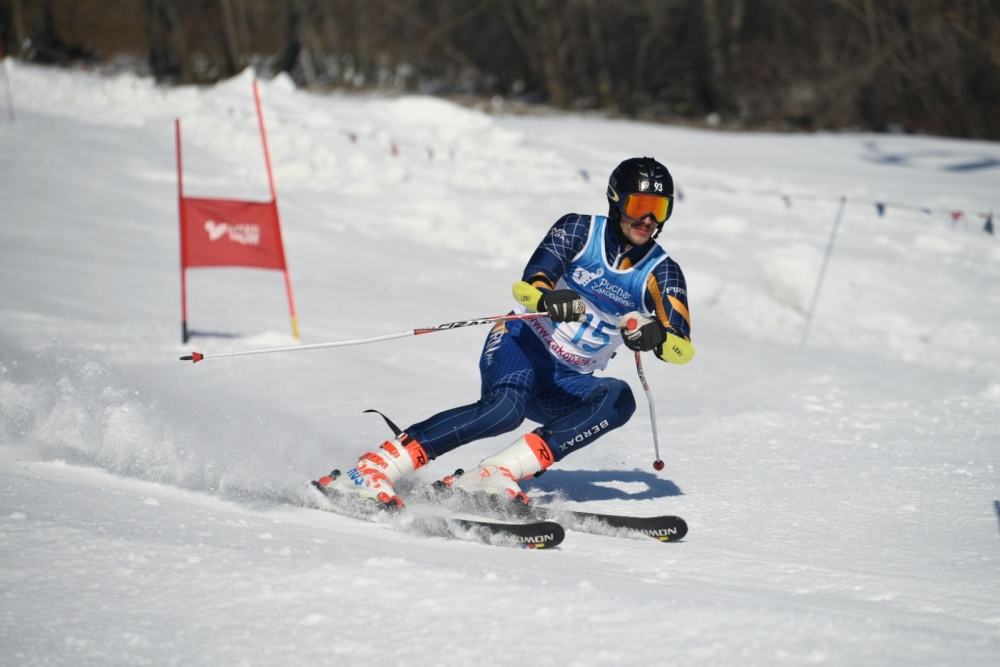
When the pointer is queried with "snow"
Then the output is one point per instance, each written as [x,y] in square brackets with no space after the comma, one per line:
[842,498]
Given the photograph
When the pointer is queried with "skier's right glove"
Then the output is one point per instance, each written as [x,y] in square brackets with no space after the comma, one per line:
[563,305]
[641,333]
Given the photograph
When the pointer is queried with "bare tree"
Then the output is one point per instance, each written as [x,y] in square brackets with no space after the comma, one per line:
[931,66]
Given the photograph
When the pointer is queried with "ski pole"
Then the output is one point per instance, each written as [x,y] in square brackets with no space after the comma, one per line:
[658,463]
[195,357]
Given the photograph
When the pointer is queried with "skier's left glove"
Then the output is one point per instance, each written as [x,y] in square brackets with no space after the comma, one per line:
[563,305]
[640,333]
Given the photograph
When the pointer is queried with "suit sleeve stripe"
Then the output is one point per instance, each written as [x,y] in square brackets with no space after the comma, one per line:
[680,308]
[654,290]
[542,281]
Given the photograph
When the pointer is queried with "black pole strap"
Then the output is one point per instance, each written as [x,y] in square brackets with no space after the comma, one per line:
[395,429]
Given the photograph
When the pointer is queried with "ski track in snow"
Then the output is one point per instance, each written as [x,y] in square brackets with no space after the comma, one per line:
[842,498]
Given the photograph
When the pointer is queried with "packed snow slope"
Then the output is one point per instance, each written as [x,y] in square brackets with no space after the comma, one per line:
[841,496]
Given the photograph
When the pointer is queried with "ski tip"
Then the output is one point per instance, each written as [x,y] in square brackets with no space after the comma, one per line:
[194,357]
[549,535]
[679,530]
[534,535]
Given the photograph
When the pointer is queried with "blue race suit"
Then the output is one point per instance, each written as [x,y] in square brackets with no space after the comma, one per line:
[524,375]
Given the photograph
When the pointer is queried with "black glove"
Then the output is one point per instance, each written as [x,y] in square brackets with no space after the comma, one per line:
[641,334]
[563,305]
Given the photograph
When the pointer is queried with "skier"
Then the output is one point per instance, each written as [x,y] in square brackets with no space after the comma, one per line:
[603,281]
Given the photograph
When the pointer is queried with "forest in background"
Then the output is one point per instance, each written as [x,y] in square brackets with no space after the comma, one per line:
[929,66]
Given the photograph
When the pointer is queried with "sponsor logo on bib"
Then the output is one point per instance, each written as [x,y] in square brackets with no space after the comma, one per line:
[614,292]
[583,277]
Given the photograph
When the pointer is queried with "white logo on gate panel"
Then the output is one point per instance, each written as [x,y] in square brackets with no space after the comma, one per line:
[583,277]
[238,233]
[216,230]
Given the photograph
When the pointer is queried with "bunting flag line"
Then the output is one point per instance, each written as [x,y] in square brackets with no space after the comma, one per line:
[400,148]
[880,206]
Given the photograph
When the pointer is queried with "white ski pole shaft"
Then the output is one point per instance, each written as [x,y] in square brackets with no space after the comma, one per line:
[198,356]
[658,463]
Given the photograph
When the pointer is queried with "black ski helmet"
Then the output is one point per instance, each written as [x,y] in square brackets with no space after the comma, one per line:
[638,175]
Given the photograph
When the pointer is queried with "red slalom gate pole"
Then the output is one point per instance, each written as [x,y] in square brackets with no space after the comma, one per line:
[274,200]
[6,81]
[180,207]
[197,356]
[263,136]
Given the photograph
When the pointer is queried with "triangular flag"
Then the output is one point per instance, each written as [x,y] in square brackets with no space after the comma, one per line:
[955,216]
[585,175]
[988,227]
[394,149]
[788,200]
[880,207]
[680,194]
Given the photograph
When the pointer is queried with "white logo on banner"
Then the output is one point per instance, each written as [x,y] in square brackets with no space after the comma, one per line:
[583,277]
[242,234]
[215,230]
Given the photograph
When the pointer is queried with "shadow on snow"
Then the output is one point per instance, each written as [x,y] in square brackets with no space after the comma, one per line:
[212,334]
[585,485]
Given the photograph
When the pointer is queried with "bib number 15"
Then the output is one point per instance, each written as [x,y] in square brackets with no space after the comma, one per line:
[597,334]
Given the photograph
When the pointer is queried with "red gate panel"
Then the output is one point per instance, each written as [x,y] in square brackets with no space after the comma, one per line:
[226,232]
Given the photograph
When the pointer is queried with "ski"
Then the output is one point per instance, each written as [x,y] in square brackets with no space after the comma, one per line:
[534,535]
[538,534]
[663,528]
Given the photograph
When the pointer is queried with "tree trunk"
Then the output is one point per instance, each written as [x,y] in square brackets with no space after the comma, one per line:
[657,15]
[735,26]
[553,43]
[168,56]
[604,86]
[233,51]
[535,25]
[288,55]
[16,45]
[363,37]
[718,76]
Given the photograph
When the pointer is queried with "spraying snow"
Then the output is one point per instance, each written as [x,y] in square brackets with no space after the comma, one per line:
[841,497]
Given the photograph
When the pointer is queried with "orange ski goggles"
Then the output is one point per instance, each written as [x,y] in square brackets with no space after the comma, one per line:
[638,206]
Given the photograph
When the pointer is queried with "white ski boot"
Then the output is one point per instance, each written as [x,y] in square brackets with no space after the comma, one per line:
[377,472]
[498,475]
